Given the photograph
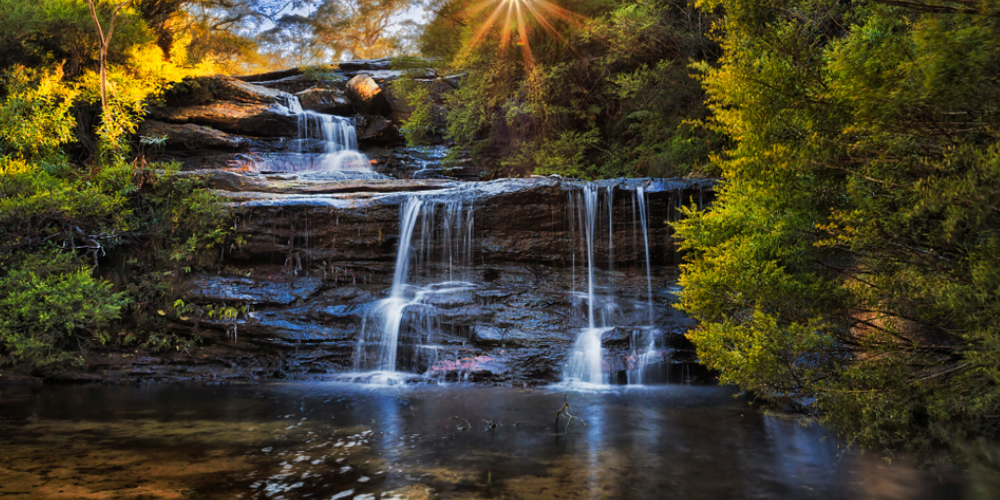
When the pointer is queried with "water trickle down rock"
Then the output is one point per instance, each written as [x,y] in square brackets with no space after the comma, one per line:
[408,318]
[587,362]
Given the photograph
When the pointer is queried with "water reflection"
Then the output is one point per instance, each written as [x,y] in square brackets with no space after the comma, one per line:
[326,439]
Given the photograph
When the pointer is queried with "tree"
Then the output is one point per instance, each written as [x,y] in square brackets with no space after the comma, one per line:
[603,91]
[104,39]
[361,28]
[848,263]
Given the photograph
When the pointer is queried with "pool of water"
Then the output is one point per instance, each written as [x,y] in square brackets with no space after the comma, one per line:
[339,440]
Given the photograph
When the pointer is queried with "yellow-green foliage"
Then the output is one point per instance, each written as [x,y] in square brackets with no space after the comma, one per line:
[60,220]
[609,95]
[35,114]
[850,261]
[46,296]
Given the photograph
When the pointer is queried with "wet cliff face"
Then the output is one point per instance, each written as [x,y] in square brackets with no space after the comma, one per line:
[319,256]
[483,281]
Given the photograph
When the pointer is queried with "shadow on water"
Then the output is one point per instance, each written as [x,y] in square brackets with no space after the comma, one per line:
[321,440]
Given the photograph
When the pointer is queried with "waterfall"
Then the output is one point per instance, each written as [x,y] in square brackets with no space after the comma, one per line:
[640,193]
[587,363]
[337,136]
[408,317]
[587,360]
[639,359]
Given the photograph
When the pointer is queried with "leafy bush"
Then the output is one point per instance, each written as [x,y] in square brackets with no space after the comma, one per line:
[849,263]
[45,299]
[610,95]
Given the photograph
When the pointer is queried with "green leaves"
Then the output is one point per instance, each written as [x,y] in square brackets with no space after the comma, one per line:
[849,258]
[610,96]
[46,297]
[35,119]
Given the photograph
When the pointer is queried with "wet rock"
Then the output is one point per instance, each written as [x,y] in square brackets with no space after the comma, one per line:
[413,492]
[193,137]
[378,129]
[264,120]
[208,89]
[492,336]
[282,329]
[256,291]
[330,101]
[368,96]
[365,64]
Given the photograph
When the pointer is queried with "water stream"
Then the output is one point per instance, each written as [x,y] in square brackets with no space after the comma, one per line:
[408,316]
[587,364]
[323,143]
[350,441]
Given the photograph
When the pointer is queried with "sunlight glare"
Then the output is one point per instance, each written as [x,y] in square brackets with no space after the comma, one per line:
[516,16]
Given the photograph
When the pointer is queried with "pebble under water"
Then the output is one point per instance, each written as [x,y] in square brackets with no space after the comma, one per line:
[338,440]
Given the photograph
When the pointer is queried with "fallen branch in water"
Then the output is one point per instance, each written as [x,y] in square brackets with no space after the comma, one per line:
[490,425]
[468,425]
[565,411]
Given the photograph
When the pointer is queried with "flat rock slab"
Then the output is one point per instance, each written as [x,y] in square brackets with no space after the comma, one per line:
[264,120]
[255,291]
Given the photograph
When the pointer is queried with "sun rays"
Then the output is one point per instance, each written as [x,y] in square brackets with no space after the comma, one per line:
[518,19]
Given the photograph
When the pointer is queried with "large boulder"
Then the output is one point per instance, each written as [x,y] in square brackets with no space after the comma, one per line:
[263,120]
[368,96]
[375,128]
[192,137]
[209,89]
[396,100]
[326,100]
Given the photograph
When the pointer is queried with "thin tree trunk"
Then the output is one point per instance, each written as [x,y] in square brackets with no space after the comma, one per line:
[105,42]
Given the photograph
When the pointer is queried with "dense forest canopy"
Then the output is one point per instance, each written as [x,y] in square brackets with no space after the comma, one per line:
[847,267]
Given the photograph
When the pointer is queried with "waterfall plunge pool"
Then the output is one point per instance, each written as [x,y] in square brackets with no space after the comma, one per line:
[338,440]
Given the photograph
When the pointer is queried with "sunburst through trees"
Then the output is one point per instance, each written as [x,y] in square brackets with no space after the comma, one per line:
[518,18]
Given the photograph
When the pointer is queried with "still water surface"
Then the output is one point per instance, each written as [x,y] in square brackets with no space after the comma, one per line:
[336,440]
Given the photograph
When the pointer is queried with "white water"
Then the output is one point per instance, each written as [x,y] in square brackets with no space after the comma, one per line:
[587,359]
[337,135]
[640,193]
[408,316]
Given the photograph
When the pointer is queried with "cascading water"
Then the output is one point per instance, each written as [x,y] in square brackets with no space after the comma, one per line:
[339,137]
[408,317]
[587,362]
[587,359]
[325,145]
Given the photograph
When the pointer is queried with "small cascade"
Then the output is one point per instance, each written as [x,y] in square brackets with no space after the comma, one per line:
[397,330]
[324,143]
[641,358]
[587,360]
[587,363]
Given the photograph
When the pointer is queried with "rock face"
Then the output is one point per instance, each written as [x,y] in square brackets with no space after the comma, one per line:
[193,137]
[319,255]
[498,280]
[331,101]
[377,129]
[368,96]
[262,120]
